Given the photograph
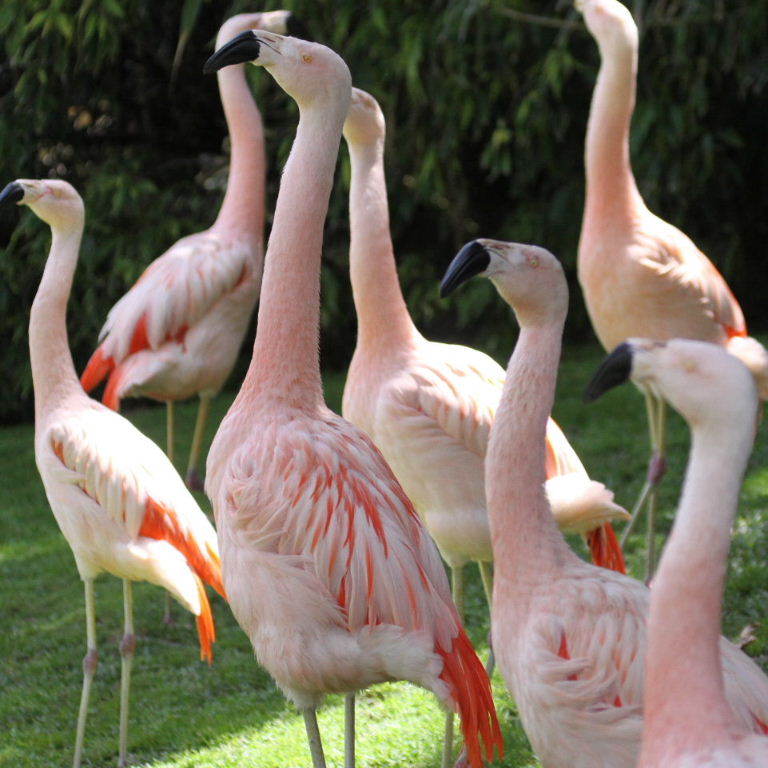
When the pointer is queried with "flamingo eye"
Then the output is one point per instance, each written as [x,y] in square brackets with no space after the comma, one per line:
[307,58]
[532,259]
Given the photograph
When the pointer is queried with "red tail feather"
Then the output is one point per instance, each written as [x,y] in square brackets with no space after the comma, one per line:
[471,692]
[111,396]
[606,549]
[98,367]
[161,523]
[205,626]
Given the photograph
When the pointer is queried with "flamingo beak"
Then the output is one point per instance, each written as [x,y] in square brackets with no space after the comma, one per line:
[615,369]
[12,193]
[471,260]
[239,50]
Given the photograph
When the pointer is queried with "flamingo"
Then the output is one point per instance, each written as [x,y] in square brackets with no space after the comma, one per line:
[689,722]
[327,566]
[177,332]
[640,275]
[569,637]
[429,406]
[119,502]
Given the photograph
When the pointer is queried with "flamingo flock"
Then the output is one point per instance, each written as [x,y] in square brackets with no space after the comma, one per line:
[332,533]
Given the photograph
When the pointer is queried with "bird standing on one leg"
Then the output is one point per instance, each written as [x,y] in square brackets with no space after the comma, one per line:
[640,275]
[178,330]
[688,722]
[119,502]
[328,568]
[569,638]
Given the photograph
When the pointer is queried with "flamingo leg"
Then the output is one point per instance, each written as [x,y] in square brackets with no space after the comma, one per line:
[655,472]
[486,574]
[349,730]
[127,648]
[170,429]
[447,741]
[90,662]
[656,410]
[167,617]
[457,590]
[313,737]
[193,476]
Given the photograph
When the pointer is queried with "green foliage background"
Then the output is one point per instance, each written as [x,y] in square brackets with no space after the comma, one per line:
[486,103]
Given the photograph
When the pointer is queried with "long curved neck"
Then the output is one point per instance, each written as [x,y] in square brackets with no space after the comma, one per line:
[527,546]
[382,314]
[611,190]
[243,206]
[285,364]
[53,372]
[684,675]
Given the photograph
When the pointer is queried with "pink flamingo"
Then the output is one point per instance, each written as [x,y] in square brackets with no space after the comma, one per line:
[327,566]
[569,638]
[178,330]
[640,275]
[689,722]
[429,406]
[117,499]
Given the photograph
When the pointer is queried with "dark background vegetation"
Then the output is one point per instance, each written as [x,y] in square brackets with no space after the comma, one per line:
[486,108]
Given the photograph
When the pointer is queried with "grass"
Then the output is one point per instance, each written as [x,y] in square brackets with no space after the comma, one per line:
[185,713]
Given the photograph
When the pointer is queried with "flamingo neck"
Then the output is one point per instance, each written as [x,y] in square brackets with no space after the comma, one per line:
[527,545]
[611,192]
[242,209]
[382,315]
[53,372]
[684,677]
[285,365]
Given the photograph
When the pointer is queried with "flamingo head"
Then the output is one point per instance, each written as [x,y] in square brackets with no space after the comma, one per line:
[529,278]
[703,382]
[610,23]
[365,120]
[307,71]
[279,22]
[54,201]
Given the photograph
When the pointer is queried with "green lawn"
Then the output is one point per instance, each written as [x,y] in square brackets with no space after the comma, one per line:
[185,713]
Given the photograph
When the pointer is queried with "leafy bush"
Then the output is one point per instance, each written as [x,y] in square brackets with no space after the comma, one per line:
[486,104]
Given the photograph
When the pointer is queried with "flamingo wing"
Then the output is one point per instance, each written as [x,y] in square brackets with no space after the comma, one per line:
[579,671]
[672,256]
[454,396]
[134,486]
[325,496]
[173,293]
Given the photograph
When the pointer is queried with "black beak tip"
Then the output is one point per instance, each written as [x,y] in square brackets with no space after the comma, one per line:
[239,50]
[615,369]
[11,193]
[295,28]
[471,260]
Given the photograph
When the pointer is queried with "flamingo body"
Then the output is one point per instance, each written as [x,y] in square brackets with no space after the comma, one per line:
[429,406]
[338,547]
[327,566]
[121,507]
[177,332]
[570,639]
